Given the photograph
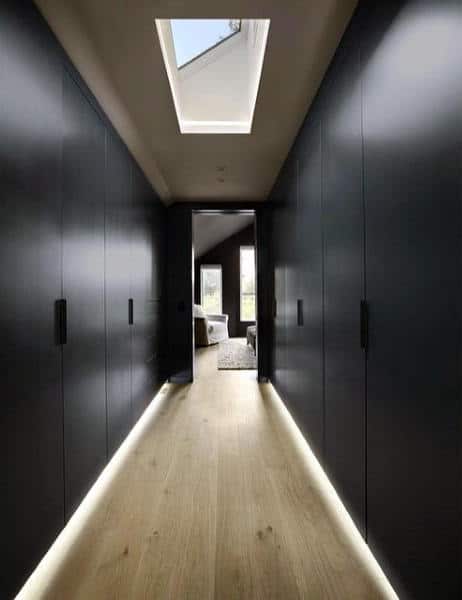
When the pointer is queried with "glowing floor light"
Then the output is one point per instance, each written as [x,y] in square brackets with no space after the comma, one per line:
[335,505]
[37,584]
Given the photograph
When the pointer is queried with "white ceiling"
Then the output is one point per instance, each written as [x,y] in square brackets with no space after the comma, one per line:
[115,47]
[209,230]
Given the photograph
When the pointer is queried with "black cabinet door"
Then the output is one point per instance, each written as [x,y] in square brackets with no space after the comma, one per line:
[343,227]
[280,344]
[30,283]
[180,318]
[279,222]
[412,135]
[309,358]
[159,285]
[117,271]
[144,305]
[292,283]
[84,368]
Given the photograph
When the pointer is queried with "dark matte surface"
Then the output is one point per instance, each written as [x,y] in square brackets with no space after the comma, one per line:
[265,291]
[30,282]
[117,281]
[279,349]
[53,190]
[395,88]
[146,297]
[227,255]
[84,355]
[343,233]
[157,289]
[413,140]
[292,287]
[180,295]
[297,255]
[308,264]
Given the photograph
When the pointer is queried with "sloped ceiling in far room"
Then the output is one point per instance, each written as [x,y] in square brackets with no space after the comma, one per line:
[210,230]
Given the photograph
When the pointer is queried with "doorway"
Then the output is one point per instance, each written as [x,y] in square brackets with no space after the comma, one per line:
[224,289]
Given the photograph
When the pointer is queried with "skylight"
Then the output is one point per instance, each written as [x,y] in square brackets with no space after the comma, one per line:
[193,37]
[214,68]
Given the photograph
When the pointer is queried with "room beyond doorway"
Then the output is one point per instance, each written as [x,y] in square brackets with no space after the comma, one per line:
[224,287]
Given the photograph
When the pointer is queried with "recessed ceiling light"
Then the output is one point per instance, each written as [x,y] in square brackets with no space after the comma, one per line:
[214,68]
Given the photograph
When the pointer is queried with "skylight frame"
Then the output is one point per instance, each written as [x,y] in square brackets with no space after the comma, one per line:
[212,126]
[210,48]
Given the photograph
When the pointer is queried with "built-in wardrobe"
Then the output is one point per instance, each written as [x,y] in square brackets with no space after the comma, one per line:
[366,230]
[82,266]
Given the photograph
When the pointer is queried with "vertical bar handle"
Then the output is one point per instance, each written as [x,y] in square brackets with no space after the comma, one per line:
[364,326]
[61,306]
[300,313]
[130,311]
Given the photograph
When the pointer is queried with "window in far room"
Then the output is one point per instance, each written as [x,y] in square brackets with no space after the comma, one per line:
[248,283]
[211,289]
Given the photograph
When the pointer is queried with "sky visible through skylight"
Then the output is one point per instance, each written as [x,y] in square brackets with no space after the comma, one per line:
[192,37]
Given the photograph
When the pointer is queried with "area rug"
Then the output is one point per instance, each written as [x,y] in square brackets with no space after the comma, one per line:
[236,354]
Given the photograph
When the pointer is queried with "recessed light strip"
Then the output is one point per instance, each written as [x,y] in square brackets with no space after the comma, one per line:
[38,583]
[333,502]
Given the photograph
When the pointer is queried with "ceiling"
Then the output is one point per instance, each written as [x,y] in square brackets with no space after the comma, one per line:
[211,229]
[114,45]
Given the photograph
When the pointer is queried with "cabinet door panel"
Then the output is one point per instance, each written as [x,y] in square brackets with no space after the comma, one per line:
[142,284]
[292,286]
[180,319]
[343,226]
[279,217]
[30,283]
[84,368]
[412,134]
[309,359]
[159,295]
[117,271]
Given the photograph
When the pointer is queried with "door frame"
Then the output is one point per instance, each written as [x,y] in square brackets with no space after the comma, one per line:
[263,280]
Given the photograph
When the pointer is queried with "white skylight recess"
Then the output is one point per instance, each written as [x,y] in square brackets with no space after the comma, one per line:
[214,68]
[193,37]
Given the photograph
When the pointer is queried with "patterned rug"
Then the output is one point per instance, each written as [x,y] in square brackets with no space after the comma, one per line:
[236,354]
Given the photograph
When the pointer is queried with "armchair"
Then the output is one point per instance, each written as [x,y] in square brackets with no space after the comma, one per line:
[209,329]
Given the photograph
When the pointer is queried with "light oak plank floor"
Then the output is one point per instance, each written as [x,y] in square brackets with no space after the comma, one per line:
[212,496]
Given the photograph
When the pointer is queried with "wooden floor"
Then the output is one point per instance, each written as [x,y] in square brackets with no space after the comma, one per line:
[212,497]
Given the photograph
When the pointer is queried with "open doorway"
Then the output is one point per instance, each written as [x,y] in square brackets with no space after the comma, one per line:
[225,289]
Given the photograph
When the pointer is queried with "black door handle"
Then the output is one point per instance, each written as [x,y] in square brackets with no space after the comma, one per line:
[130,311]
[61,313]
[300,313]
[364,326]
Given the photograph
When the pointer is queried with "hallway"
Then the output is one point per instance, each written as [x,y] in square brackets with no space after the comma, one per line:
[213,495]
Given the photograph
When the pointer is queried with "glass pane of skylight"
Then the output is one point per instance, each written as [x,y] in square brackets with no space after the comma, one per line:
[193,37]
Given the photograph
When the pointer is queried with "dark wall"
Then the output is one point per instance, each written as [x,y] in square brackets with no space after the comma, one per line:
[368,208]
[227,255]
[265,295]
[78,221]
[180,295]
